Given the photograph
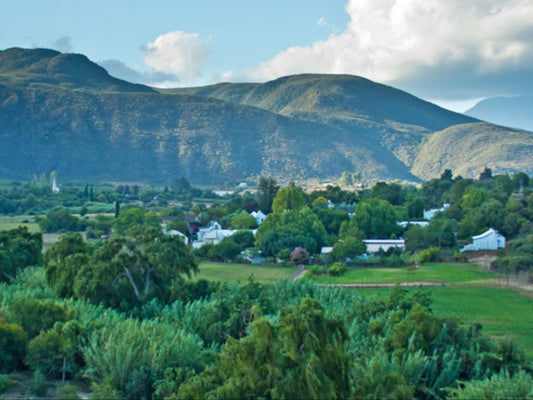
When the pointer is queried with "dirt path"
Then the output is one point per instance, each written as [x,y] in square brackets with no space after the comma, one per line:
[379,285]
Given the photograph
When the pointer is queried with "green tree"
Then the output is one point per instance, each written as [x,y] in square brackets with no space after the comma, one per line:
[60,220]
[349,247]
[18,249]
[243,221]
[62,262]
[302,356]
[267,189]
[135,217]
[290,198]
[290,229]
[375,219]
[135,268]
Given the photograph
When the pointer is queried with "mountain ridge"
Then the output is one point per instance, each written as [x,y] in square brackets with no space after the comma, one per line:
[71,116]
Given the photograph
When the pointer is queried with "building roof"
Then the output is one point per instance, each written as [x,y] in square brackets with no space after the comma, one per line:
[485,234]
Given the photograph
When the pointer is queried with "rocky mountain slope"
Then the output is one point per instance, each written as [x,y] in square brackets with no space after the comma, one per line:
[62,112]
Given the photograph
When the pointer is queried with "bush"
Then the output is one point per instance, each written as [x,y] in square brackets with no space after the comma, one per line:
[12,346]
[46,353]
[38,384]
[428,255]
[337,269]
[67,392]
[5,383]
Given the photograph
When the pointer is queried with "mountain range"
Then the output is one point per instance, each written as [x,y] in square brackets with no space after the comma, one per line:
[64,113]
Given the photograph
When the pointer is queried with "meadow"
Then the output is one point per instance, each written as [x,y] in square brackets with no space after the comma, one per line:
[435,273]
[242,272]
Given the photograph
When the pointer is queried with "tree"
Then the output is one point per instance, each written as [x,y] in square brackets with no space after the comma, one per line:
[266,191]
[18,249]
[135,217]
[243,221]
[63,260]
[290,198]
[60,220]
[486,174]
[135,268]
[290,229]
[303,355]
[349,247]
[375,218]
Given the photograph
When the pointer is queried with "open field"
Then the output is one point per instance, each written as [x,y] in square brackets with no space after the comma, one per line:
[8,223]
[440,273]
[241,272]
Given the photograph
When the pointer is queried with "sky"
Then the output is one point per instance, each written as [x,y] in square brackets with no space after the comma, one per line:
[451,52]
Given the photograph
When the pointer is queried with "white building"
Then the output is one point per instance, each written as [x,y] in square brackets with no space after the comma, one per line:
[212,234]
[404,224]
[489,240]
[429,214]
[259,216]
[374,245]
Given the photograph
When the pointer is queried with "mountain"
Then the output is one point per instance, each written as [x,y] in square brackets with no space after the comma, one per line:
[507,111]
[62,112]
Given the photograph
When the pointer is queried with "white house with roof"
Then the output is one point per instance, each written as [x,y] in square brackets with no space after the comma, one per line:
[259,216]
[374,245]
[489,240]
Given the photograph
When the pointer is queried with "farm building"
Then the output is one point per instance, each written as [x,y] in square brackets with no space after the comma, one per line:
[489,240]
[374,245]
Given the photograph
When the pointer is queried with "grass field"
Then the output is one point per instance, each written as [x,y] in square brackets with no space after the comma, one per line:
[241,272]
[442,273]
[7,223]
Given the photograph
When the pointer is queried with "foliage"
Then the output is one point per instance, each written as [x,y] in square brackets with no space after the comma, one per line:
[12,346]
[290,198]
[267,189]
[135,217]
[39,385]
[243,221]
[131,356]
[299,256]
[336,269]
[60,220]
[18,249]
[5,383]
[500,386]
[429,255]
[347,248]
[290,229]
[303,355]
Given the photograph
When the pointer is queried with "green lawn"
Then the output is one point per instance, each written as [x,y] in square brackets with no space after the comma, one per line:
[241,272]
[500,310]
[7,223]
[442,273]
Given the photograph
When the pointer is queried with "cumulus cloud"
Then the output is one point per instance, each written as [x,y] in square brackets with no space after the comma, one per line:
[178,53]
[424,45]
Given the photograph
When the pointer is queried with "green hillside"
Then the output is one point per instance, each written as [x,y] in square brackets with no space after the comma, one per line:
[62,112]
[467,149]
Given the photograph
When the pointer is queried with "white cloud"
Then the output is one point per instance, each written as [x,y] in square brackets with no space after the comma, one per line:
[406,41]
[178,53]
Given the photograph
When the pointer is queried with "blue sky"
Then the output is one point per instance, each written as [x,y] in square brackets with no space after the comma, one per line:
[452,52]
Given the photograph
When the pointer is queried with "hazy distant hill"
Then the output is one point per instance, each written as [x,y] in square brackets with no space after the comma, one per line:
[516,111]
[62,112]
